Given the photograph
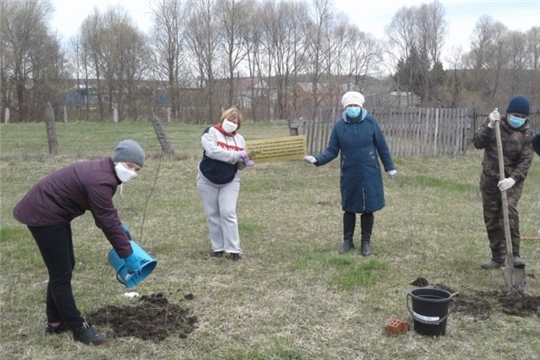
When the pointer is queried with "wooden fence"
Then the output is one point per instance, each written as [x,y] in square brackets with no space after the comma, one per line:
[418,132]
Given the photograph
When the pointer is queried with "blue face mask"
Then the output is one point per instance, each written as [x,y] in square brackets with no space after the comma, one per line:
[353,112]
[516,122]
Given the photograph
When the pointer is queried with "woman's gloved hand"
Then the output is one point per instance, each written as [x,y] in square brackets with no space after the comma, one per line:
[310,159]
[243,154]
[126,230]
[133,264]
[392,174]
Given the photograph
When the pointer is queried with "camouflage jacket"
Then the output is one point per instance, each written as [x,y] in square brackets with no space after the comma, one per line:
[517,149]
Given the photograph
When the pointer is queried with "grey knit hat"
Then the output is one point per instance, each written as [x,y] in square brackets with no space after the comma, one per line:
[129,151]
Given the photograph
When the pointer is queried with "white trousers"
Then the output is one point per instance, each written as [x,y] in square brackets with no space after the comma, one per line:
[219,203]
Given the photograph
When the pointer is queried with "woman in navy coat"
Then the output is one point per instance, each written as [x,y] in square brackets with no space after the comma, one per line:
[360,141]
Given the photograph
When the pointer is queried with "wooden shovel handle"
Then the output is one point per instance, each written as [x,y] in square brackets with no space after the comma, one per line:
[500,155]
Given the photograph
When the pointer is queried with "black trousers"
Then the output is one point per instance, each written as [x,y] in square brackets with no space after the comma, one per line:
[56,246]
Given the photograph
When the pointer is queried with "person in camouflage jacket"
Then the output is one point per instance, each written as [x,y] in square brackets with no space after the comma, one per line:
[516,136]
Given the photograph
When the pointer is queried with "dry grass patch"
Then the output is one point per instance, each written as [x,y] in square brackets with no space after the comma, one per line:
[291,296]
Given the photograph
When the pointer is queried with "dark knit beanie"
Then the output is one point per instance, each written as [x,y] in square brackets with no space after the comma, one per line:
[519,105]
[129,151]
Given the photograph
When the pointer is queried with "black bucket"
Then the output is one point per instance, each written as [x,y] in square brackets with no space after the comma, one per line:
[429,310]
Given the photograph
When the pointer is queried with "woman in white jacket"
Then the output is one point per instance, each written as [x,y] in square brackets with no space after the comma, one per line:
[218,181]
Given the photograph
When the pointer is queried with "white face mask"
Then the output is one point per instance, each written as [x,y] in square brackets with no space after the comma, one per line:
[123,173]
[228,126]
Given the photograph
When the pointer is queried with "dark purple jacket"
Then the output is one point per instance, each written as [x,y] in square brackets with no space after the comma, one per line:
[67,193]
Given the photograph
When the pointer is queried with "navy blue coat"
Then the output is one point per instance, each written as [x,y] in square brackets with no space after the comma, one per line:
[360,143]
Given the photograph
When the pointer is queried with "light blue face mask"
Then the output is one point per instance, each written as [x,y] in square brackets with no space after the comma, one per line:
[516,122]
[353,112]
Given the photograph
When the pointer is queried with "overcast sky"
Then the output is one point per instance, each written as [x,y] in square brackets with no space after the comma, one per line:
[370,16]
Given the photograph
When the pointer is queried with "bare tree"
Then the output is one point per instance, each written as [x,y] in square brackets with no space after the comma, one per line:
[254,58]
[357,56]
[455,60]
[516,43]
[417,34]
[482,49]
[75,67]
[118,56]
[6,81]
[125,56]
[284,49]
[431,27]
[234,17]
[401,33]
[319,44]
[533,62]
[23,34]
[202,35]
[500,57]
[5,86]
[90,34]
[296,54]
[168,45]
[47,62]
[533,48]
[267,18]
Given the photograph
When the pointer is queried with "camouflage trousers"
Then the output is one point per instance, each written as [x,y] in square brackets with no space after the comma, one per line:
[493,215]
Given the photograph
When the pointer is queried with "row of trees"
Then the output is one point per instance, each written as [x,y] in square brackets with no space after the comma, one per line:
[500,63]
[273,58]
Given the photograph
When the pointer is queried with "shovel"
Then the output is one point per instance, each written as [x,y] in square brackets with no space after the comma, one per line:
[514,278]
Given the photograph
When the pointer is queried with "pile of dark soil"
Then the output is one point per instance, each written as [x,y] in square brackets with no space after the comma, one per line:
[152,318]
[520,304]
[481,304]
[476,306]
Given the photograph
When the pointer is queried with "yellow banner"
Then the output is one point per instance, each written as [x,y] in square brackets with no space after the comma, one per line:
[277,149]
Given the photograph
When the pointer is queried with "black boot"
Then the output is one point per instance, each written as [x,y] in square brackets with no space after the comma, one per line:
[366,223]
[88,335]
[518,261]
[349,223]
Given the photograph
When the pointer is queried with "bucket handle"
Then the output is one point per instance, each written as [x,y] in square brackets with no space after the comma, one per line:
[128,276]
[436,322]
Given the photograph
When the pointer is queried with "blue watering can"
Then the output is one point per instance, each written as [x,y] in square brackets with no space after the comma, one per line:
[147,264]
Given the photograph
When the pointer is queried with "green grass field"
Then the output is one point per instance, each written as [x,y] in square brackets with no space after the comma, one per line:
[292,296]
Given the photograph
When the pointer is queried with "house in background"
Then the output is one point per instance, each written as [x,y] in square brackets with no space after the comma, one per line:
[393,99]
[80,93]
